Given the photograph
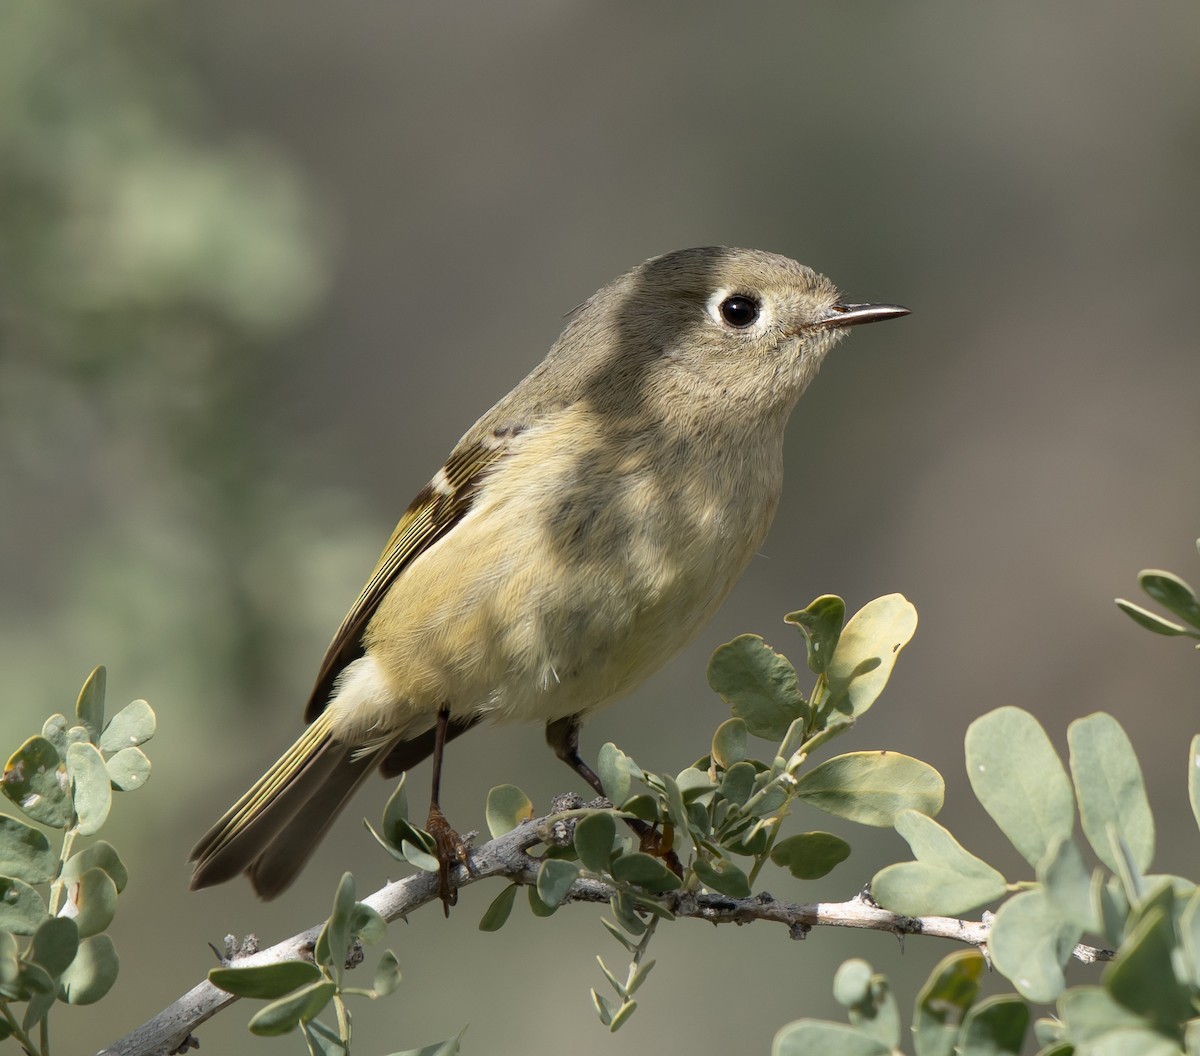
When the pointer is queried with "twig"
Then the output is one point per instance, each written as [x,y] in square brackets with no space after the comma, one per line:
[507,856]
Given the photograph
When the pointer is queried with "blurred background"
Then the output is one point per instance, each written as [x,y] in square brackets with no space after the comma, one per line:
[262,264]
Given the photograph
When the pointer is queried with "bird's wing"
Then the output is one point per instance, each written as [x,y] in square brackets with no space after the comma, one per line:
[441,504]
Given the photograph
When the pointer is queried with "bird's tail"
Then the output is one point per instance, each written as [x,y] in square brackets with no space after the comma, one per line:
[273,829]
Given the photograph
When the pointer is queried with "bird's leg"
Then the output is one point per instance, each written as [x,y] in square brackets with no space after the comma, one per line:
[563,737]
[449,845]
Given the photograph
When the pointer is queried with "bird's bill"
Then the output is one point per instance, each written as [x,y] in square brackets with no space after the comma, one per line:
[856,314]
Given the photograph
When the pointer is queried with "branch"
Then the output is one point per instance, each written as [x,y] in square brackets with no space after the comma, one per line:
[507,856]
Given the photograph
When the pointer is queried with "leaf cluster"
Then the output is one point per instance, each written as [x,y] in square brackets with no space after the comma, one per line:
[56,905]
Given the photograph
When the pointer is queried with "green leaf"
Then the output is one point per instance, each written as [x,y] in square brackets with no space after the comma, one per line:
[868,997]
[92,901]
[1109,785]
[1172,593]
[807,1037]
[102,855]
[128,770]
[367,924]
[92,787]
[134,724]
[25,852]
[283,1015]
[944,1001]
[554,880]
[35,779]
[22,909]
[10,966]
[617,773]
[1090,1012]
[1030,943]
[1151,621]
[537,907]
[866,653]
[810,855]
[54,729]
[92,973]
[420,858]
[450,1047]
[729,742]
[996,1026]
[945,879]
[1111,906]
[54,945]
[723,877]
[1189,937]
[1019,779]
[1134,1041]
[323,1040]
[594,838]
[495,916]
[1068,885]
[821,624]
[738,781]
[1142,977]
[333,944]
[852,982]
[89,707]
[758,684]
[265,981]
[387,975]
[643,870]
[872,787]
[507,807]
[1194,777]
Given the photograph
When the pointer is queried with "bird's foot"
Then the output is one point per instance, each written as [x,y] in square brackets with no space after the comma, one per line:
[658,843]
[450,850]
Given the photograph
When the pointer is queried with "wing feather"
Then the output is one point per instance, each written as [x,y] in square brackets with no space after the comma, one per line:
[439,506]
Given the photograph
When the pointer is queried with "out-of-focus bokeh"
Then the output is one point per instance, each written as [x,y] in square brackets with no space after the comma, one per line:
[262,264]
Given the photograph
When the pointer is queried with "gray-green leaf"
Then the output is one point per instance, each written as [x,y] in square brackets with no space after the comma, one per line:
[25,852]
[89,707]
[945,879]
[134,724]
[22,908]
[507,807]
[35,779]
[265,981]
[128,769]
[806,1037]
[758,684]
[821,624]
[944,1001]
[810,855]
[866,652]
[92,973]
[92,787]
[1030,943]
[1019,778]
[872,788]
[1110,788]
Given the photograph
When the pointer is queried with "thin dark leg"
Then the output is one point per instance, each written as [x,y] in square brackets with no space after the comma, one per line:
[450,848]
[563,736]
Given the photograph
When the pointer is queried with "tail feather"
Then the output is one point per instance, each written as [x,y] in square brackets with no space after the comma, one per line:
[280,861]
[271,831]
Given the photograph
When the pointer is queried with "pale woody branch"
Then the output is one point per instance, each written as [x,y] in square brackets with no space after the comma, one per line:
[507,856]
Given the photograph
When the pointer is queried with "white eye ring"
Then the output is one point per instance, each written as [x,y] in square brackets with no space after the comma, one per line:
[719,305]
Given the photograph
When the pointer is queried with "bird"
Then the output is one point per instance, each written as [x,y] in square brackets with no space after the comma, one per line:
[578,536]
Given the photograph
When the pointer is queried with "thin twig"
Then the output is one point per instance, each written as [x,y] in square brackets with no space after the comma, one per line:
[507,856]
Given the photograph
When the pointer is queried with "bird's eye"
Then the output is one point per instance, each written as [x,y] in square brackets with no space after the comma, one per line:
[739,311]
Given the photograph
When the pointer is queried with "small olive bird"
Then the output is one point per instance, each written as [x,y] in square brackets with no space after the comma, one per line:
[580,533]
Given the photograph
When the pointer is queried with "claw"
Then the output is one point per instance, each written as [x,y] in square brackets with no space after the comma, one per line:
[450,851]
